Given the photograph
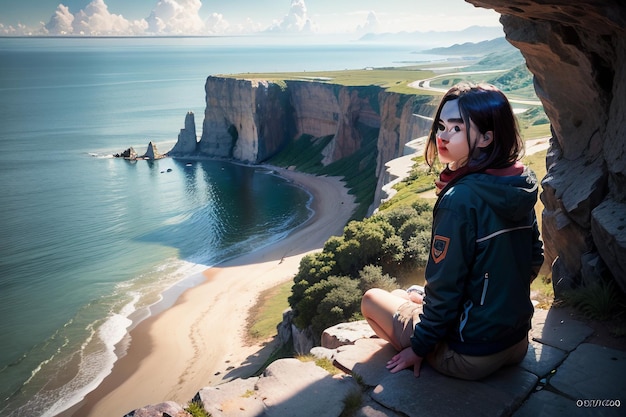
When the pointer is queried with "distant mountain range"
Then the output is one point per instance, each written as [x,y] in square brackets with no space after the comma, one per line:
[499,45]
[433,39]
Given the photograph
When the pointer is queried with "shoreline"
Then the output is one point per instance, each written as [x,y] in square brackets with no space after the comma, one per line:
[200,340]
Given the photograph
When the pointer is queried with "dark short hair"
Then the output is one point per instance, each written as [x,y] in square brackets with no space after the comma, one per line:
[490,110]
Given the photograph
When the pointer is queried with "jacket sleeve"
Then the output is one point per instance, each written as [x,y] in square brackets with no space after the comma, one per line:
[537,260]
[449,262]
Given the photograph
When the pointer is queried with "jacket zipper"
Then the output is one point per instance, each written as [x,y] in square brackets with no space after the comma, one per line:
[485,285]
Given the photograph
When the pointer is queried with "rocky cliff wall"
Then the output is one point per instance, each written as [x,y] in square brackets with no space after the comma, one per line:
[244,119]
[251,120]
[577,53]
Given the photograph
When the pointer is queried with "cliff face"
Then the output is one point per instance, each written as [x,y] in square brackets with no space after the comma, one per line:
[327,109]
[578,57]
[244,119]
[251,120]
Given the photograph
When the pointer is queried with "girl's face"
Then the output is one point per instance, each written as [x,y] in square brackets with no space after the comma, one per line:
[452,146]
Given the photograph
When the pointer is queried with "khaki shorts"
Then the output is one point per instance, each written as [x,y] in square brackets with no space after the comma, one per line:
[446,360]
[404,322]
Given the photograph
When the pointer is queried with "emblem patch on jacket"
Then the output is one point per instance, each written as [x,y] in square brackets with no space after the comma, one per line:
[440,248]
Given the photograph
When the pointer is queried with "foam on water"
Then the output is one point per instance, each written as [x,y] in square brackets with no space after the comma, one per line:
[104,342]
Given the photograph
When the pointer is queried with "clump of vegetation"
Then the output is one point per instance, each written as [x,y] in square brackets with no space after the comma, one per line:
[324,363]
[196,409]
[352,403]
[248,394]
[409,191]
[329,285]
[601,300]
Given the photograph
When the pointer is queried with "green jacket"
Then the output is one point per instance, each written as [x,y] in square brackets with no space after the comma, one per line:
[485,245]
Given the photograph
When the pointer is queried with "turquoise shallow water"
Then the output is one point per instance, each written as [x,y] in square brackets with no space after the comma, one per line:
[88,242]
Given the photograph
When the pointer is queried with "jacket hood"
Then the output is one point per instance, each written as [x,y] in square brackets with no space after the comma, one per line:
[510,196]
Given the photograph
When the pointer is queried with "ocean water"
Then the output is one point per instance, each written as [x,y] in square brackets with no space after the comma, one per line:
[90,244]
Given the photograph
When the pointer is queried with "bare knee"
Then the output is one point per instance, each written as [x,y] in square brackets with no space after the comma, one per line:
[371,297]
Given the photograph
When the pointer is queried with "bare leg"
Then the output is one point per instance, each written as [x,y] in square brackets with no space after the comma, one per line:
[378,307]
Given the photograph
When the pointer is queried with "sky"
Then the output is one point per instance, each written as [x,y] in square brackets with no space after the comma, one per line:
[236,17]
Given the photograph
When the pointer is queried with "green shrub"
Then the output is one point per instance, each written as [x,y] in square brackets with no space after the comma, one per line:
[372,276]
[330,284]
[341,304]
[328,302]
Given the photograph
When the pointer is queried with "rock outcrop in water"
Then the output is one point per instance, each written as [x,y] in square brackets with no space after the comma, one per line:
[187,143]
[577,54]
[152,152]
[129,153]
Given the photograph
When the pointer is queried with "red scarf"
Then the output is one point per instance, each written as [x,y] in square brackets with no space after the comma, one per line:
[447,175]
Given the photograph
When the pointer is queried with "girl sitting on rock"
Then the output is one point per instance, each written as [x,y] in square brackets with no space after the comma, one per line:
[475,313]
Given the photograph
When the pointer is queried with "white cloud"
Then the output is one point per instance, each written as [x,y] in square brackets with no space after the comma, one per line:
[96,19]
[183,17]
[176,17]
[216,24]
[10,30]
[371,24]
[61,22]
[295,21]
[169,17]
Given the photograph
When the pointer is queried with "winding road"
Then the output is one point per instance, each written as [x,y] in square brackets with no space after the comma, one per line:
[425,85]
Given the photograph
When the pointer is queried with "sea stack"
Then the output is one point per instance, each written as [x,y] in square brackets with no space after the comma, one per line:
[187,139]
[152,152]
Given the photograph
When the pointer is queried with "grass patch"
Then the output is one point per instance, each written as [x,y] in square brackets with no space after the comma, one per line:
[268,312]
[196,409]
[420,179]
[542,291]
[305,153]
[602,300]
[324,363]
[393,79]
[535,131]
[352,403]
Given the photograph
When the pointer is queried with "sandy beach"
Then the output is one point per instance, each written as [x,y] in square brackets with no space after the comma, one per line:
[200,340]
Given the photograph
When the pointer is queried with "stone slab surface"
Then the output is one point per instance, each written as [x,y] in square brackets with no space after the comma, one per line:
[556,327]
[290,387]
[542,359]
[435,395]
[593,372]
[547,404]
[367,358]
[370,408]
[235,398]
[346,334]
[169,408]
[515,382]
[323,353]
